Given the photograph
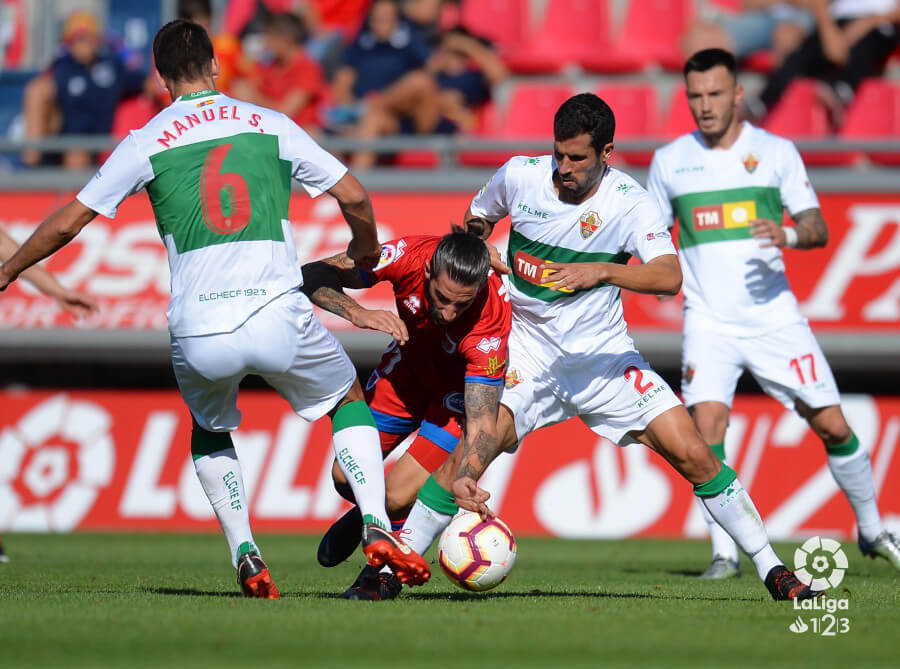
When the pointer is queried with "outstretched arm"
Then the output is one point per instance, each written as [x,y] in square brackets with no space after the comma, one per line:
[323,284]
[56,231]
[660,276]
[73,301]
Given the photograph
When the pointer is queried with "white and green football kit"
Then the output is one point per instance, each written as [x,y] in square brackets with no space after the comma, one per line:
[218,172]
[739,311]
[569,352]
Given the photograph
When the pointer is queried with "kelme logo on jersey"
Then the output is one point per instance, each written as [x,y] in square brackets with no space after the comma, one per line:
[751,161]
[727,215]
[590,221]
[526,267]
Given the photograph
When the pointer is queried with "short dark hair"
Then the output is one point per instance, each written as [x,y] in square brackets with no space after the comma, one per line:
[289,25]
[182,51]
[464,257]
[705,60]
[585,113]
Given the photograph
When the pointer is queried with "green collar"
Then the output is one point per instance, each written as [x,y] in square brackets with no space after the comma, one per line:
[198,94]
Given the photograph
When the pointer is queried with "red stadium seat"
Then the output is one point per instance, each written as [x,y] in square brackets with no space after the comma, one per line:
[875,114]
[759,61]
[572,31]
[529,114]
[634,107]
[503,22]
[800,116]
[676,119]
[651,34]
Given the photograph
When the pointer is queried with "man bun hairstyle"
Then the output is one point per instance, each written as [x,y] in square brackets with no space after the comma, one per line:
[463,257]
[585,113]
[707,59]
[182,51]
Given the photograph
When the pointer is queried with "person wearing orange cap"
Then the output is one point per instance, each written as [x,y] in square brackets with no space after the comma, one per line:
[78,92]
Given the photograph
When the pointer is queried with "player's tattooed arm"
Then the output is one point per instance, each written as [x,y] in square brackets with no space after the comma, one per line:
[812,231]
[481,443]
[323,284]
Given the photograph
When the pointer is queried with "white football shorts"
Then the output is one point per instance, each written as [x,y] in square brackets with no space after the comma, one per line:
[284,343]
[787,363]
[612,393]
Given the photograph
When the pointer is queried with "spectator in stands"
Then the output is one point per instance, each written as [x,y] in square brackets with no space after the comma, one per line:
[78,93]
[328,23]
[384,68]
[466,69]
[290,82]
[432,17]
[852,40]
[458,79]
[775,25]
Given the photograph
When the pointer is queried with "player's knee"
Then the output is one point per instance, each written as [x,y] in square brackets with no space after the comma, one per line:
[694,460]
[399,502]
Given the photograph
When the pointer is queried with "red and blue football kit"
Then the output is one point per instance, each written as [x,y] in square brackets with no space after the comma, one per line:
[420,385]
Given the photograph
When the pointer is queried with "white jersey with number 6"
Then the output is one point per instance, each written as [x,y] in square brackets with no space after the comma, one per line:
[218,172]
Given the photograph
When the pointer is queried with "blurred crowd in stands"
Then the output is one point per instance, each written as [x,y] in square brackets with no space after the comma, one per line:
[369,68]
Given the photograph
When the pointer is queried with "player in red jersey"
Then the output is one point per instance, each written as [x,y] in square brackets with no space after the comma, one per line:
[442,375]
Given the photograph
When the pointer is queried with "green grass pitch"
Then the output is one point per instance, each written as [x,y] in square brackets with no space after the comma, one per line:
[170,600]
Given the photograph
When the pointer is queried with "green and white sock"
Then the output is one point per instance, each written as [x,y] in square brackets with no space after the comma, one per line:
[357,449]
[722,543]
[731,507]
[434,509]
[219,471]
[850,467]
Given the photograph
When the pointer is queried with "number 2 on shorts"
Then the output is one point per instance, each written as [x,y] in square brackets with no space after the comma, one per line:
[638,379]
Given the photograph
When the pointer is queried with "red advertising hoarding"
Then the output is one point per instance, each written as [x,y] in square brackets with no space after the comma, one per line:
[851,285]
[89,460]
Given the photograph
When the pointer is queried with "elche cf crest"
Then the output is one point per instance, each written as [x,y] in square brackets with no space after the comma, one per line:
[590,221]
[751,161]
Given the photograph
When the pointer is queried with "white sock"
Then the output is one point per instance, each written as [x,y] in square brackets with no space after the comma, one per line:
[853,474]
[220,476]
[358,452]
[734,511]
[423,526]
[722,543]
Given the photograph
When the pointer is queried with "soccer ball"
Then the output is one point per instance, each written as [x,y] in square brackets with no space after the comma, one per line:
[477,554]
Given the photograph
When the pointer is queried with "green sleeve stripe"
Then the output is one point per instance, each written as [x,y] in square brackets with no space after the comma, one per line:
[436,497]
[717,483]
[352,414]
[844,449]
